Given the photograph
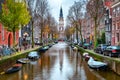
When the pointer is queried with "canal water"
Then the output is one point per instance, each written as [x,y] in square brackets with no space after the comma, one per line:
[60,62]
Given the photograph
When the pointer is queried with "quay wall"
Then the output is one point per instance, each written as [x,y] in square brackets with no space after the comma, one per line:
[7,61]
[113,63]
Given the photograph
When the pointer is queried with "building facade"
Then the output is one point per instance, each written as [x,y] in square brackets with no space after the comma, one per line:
[115,23]
[6,38]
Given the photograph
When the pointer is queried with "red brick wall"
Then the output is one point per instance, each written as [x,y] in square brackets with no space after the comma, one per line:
[6,36]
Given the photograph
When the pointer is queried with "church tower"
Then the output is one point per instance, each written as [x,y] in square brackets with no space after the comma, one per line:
[61,24]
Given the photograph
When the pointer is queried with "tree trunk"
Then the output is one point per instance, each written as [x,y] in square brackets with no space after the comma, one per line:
[41,36]
[32,36]
[52,36]
[13,37]
[76,33]
[81,35]
[95,34]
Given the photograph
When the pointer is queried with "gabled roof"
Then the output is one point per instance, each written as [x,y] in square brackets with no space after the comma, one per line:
[118,3]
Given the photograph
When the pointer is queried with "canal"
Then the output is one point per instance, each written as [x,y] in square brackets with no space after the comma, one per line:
[60,62]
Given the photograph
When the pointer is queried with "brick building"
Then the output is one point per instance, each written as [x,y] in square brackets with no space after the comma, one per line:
[115,23]
[6,38]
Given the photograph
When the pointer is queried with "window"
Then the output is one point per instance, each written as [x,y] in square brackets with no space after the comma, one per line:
[114,15]
[114,27]
[118,25]
[118,37]
[117,11]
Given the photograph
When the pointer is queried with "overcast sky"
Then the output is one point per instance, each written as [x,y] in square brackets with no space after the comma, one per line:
[55,7]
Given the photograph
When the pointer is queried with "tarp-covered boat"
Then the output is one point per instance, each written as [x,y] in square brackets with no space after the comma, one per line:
[23,60]
[33,55]
[96,64]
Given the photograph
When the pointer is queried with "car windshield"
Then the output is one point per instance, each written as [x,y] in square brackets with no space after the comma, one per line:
[102,45]
[113,47]
[116,47]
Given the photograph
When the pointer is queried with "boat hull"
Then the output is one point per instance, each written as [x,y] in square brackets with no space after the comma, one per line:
[14,69]
[23,60]
[97,64]
[104,67]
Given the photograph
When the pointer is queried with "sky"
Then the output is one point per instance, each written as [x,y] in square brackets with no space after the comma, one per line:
[55,7]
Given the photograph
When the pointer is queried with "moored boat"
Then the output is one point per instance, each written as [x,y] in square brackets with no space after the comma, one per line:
[23,60]
[14,68]
[96,64]
[33,55]
[43,49]
[86,56]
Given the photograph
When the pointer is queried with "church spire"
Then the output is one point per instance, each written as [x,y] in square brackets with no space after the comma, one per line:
[61,12]
[61,24]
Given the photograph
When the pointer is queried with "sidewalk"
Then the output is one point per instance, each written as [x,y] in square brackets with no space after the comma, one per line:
[19,52]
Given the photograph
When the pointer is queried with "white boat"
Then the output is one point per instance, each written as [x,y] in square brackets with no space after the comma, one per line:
[96,64]
[33,55]
[23,60]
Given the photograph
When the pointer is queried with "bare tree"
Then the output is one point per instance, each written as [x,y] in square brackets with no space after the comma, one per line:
[53,25]
[31,6]
[41,11]
[75,16]
[69,32]
[95,8]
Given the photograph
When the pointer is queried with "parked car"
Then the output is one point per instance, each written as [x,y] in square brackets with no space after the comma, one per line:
[100,48]
[112,51]
[33,55]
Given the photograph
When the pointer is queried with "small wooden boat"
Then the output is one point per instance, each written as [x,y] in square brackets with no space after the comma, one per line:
[50,45]
[23,60]
[14,68]
[96,64]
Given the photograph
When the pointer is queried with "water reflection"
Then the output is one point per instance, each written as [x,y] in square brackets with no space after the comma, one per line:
[60,62]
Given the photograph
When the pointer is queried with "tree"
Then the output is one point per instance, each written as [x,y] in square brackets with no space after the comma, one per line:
[13,14]
[41,11]
[103,38]
[69,32]
[53,27]
[31,4]
[95,8]
[75,16]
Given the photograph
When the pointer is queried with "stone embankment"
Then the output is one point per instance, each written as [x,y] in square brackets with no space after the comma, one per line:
[113,63]
[8,61]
